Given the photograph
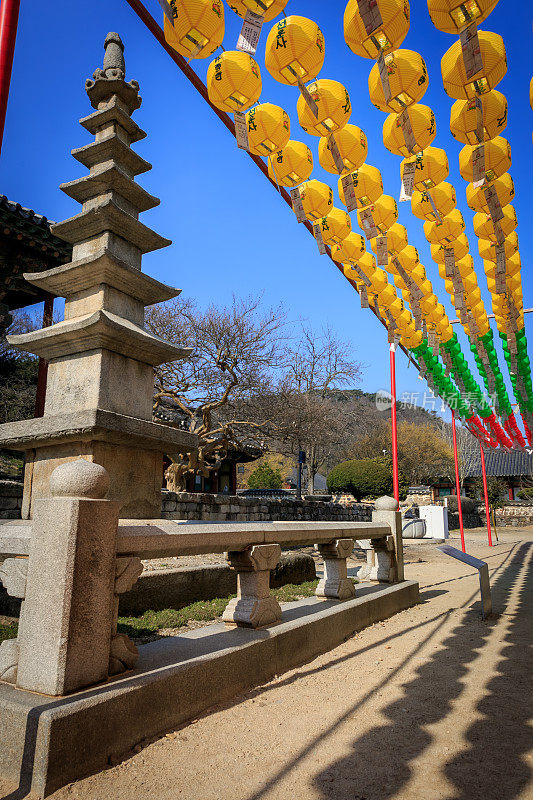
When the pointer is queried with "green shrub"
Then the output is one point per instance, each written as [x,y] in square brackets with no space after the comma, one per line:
[365,478]
[264,477]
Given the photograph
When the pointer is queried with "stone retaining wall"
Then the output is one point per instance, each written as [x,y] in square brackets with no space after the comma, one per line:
[223,508]
[10,499]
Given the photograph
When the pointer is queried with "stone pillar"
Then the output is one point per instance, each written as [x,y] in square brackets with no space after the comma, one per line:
[380,560]
[123,653]
[336,584]
[67,616]
[254,606]
[385,512]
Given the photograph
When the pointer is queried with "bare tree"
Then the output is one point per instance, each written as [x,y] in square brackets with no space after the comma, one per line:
[236,350]
[307,417]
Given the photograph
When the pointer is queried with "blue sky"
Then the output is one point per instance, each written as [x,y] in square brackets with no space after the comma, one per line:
[231,232]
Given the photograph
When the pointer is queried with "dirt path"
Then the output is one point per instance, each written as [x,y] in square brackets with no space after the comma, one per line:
[432,704]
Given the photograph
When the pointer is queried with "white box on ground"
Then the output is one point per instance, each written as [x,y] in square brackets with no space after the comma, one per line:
[436,518]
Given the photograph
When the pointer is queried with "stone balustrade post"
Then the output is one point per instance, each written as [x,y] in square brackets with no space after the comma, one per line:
[254,606]
[336,584]
[68,611]
[381,561]
[385,511]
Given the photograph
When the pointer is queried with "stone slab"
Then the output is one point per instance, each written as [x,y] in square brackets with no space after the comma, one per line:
[102,267]
[50,742]
[92,425]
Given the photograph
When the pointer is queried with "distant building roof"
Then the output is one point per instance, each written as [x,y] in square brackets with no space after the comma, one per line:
[502,464]
[27,244]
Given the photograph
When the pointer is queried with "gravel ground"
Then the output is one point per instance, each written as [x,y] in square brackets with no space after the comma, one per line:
[433,704]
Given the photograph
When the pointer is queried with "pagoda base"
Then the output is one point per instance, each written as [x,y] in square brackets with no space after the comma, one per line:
[130,449]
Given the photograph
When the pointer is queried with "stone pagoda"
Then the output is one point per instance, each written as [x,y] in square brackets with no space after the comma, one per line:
[101,358]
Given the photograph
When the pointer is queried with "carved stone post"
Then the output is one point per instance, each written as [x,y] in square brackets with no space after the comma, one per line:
[381,561]
[66,622]
[385,512]
[254,606]
[13,575]
[336,584]
[123,653]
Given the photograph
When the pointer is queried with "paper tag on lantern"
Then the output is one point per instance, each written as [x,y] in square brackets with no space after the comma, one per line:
[297,205]
[391,336]
[436,348]
[370,14]
[459,300]
[364,297]
[501,269]
[511,343]
[317,232]
[368,224]
[167,9]
[378,312]
[384,76]
[241,130]
[480,128]
[307,97]
[493,202]
[449,262]
[407,130]
[250,32]
[438,217]
[471,50]
[408,181]
[431,338]
[335,153]
[500,236]
[381,251]
[350,199]
[362,275]
[478,166]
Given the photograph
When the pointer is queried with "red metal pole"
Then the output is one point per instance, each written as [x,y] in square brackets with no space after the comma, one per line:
[485,493]
[395,481]
[457,486]
[9,15]
[40,397]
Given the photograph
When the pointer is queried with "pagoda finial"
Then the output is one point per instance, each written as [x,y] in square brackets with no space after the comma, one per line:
[110,80]
[114,65]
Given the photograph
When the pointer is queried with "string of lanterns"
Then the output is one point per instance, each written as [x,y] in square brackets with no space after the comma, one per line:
[295,50]
[471,69]
[397,82]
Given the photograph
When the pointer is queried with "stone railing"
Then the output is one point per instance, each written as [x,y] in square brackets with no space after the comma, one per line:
[85,557]
[235,508]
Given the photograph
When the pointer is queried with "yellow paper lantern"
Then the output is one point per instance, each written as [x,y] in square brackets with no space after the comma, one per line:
[454,79]
[450,16]
[269,129]
[408,79]
[350,250]
[367,264]
[388,36]
[233,81]
[463,117]
[484,226]
[317,199]
[431,168]
[497,159]
[334,108]
[197,27]
[367,184]
[504,188]
[396,239]
[384,212]
[294,49]
[408,259]
[268,9]
[459,246]
[350,273]
[292,165]
[423,125]
[443,197]
[465,266]
[335,226]
[513,266]
[352,145]
[448,229]
[487,249]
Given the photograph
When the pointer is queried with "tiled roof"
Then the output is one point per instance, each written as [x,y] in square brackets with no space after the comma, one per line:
[502,464]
